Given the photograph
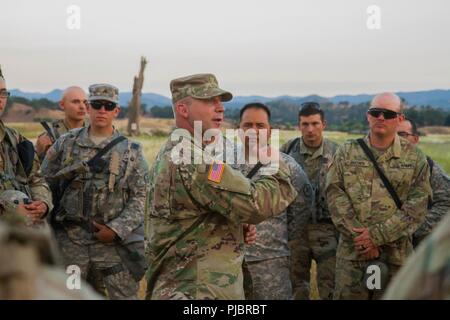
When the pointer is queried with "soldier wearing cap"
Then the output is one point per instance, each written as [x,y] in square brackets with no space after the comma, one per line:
[375,221]
[74,104]
[101,179]
[196,208]
[20,169]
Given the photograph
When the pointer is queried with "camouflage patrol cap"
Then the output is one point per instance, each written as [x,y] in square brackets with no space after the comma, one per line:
[104,92]
[1,74]
[198,86]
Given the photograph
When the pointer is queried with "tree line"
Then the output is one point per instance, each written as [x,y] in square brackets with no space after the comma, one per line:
[341,117]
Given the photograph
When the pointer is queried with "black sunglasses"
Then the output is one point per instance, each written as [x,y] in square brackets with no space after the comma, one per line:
[387,114]
[98,104]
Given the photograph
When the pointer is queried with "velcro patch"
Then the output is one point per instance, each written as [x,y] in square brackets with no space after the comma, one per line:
[215,172]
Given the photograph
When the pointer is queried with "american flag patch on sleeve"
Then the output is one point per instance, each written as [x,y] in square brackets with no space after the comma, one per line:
[215,172]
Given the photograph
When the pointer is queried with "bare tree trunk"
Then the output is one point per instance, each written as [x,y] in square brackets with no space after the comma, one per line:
[134,108]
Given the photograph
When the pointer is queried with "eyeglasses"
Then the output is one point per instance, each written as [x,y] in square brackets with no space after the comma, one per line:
[387,114]
[98,104]
[405,134]
[313,105]
[4,94]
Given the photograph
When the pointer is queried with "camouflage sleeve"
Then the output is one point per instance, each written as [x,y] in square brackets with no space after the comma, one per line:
[132,216]
[339,205]
[298,216]
[52,160]
[404,222]
[425,275]
[440,205]
[236,197]
[38,187]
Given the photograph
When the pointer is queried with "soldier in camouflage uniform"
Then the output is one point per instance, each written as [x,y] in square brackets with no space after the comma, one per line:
[268,272]
[101,202]
[426,273]
[373,231]
[196,209]
[74,104]
[440,184]
[314,153]
[20,168]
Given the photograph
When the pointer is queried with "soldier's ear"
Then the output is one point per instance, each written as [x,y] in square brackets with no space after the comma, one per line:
[61,104]
[324,123]
[116,111]
[182,109]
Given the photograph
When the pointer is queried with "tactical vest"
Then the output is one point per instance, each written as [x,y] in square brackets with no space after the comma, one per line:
[97,195]
[101,196]
[321,210]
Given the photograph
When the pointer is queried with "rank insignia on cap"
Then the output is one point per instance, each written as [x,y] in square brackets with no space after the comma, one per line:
[215,172]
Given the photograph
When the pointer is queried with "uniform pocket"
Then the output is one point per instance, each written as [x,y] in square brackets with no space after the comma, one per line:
[108,204]
[72,201]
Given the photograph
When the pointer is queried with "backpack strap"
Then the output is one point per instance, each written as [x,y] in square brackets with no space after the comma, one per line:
[292,145]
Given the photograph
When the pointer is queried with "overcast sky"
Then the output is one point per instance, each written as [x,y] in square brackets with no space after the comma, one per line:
[259,47]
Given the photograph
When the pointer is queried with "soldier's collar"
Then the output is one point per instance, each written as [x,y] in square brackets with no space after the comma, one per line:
[395,150]
[180,134]
[66,125]
[85,141]
[304,149]
[2,130]
[397,147]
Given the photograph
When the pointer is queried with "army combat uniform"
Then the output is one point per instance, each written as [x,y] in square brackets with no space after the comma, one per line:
[357,198]
[439,206]
[426,274]
[270,269]
[320,240]
[194,224]
[12,171]
[57,129]
[114,195]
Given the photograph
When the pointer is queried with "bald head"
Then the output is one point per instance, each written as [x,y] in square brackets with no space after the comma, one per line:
[387,100]
[74,104]
[73,90]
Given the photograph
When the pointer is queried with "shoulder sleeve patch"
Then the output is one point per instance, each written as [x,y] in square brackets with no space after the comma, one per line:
[215,172]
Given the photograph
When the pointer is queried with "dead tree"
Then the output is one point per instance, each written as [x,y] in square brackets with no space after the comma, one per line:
[134,108]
